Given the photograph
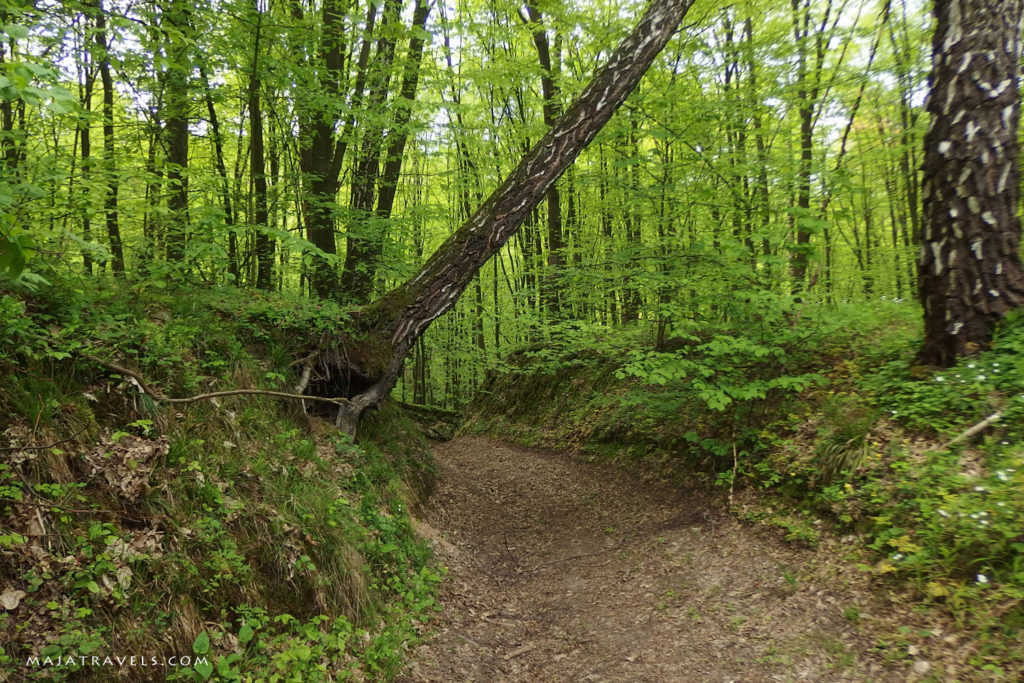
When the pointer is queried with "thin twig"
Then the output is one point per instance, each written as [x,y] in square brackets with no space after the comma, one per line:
[43,448]
[735,468]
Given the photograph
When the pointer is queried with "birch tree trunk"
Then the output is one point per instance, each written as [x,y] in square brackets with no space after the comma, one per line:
[969,271]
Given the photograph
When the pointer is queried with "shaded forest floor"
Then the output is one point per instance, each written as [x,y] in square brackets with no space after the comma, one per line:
[566,571]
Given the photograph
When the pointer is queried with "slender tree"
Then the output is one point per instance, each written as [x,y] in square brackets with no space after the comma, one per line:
[102,61]
[177,34]
[548,60]
[264,245]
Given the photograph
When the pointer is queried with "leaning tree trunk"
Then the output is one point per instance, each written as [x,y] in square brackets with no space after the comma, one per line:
[391,325]
[969,270]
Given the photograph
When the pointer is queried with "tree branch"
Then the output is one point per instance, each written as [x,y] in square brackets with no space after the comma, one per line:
[145,388]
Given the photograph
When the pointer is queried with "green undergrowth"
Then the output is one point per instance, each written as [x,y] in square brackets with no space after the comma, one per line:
[837,429]
[697,402]
[234,539]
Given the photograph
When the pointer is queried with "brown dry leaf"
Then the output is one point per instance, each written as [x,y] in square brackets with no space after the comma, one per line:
[10,599]
[125,465]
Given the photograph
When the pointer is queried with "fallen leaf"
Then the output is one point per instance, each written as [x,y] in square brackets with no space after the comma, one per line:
[10,599]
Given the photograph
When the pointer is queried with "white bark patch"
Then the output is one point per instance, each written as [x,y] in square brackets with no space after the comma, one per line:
[999,268]
[937,258]
[952,258]
[949,97]
[954,33]
[964,64]
[976,248]
[989,218]
[993,293]
[956,328]
[985,157]
[1003,177]
[977,287]
[1007,116]
[972,130]
[954,212]
[957,232]
[944,147]
[999,89]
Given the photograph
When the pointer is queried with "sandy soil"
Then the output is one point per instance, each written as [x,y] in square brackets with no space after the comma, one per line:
[566,571]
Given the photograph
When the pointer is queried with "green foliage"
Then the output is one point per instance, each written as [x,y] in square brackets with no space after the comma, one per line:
[291,546]
[973,389]
[842,447]
[944,518]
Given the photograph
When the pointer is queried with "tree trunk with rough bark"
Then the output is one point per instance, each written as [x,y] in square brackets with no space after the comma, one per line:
[367,366]
[969,271]
[264,245]
[549,93]
[175,115]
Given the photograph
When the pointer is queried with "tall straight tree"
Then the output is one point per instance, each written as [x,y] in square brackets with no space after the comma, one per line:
[969,272]
[549,93]
[257,162]
[177,36]
[102,61]
[360,248]
[364,252]
[808,86]
[321,151]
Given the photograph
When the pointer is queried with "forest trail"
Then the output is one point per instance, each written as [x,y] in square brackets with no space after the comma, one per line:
[566,571]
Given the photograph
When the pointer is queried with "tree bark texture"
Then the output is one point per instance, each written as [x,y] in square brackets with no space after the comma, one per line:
[364,255]
[176,112]
[264,245]
[109,159]
[321,155]
[549,93]
[969,270]
[364,244]
[393,323]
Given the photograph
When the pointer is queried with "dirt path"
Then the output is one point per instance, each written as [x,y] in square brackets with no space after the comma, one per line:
[564,571]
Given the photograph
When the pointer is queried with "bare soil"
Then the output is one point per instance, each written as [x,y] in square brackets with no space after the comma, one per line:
[562,570]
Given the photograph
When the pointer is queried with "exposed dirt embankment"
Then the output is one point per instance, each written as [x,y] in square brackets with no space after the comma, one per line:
[567,571]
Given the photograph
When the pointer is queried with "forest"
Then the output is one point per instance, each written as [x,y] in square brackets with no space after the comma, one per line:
[261,260]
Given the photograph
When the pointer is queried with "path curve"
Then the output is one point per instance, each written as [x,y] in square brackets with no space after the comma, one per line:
[566,571]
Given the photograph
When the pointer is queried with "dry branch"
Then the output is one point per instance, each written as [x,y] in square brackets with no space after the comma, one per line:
[976,429]
[156,396]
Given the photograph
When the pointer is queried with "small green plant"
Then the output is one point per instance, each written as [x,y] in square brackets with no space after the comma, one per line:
[843,444]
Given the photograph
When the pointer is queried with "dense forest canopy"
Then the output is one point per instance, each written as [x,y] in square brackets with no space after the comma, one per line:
[769,159]
[694,238]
